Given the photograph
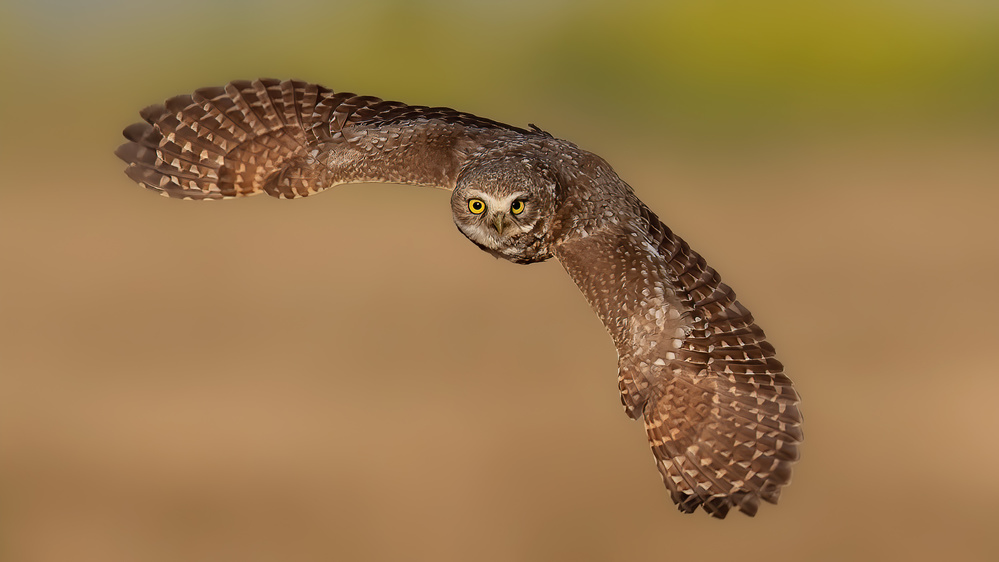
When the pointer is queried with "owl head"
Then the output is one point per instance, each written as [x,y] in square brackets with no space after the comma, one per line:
[505,207]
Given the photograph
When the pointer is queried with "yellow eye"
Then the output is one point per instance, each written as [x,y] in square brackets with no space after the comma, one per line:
[477,206]
[518,207]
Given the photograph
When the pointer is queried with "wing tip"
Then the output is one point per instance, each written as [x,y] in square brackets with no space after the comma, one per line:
[719,506]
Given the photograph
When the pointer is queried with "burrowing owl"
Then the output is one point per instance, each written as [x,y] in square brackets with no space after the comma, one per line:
[721,415]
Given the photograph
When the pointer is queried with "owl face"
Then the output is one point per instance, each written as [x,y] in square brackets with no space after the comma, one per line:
[504,211]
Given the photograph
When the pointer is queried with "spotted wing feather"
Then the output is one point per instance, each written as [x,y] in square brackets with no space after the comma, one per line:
[721,416]
[291,139]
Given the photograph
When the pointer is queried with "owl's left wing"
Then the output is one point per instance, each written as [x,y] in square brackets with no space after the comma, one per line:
[721,416]
[291,139]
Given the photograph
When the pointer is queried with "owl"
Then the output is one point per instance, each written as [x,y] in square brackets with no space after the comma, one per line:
[721,416]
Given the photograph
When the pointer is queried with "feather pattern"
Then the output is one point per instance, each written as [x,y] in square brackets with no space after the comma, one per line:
[721,416]
[292,139]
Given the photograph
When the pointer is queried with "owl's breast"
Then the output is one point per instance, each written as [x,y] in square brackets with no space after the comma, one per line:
[525,248]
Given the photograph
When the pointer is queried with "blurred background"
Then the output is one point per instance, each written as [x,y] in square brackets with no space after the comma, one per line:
[345,377]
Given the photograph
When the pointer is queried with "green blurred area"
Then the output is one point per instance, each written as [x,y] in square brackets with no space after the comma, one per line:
[704,68]
[787,60]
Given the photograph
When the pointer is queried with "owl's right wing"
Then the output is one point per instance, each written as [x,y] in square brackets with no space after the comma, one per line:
[292,139]
[721,416]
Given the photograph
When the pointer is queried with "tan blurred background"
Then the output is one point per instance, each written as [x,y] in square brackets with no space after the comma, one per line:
[347,378]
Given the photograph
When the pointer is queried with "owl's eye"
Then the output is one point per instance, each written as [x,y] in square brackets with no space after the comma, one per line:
[518,207]
[477,206]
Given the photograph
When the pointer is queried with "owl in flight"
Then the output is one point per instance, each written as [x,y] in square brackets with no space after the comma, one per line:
[721,416]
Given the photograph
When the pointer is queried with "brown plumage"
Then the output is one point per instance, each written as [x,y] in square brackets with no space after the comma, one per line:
[721,416]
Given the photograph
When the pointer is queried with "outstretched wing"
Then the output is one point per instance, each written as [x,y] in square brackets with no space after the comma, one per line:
[721,416]
[291,139]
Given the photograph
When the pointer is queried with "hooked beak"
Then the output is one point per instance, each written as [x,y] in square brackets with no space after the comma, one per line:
[498,222]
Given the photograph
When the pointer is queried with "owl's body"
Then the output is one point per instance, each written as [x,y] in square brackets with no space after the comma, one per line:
[721,416]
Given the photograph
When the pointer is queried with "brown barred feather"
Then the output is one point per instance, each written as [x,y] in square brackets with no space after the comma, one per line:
[292,139]
[721,416]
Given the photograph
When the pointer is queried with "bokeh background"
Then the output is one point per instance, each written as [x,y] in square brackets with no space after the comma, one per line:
[345,377]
